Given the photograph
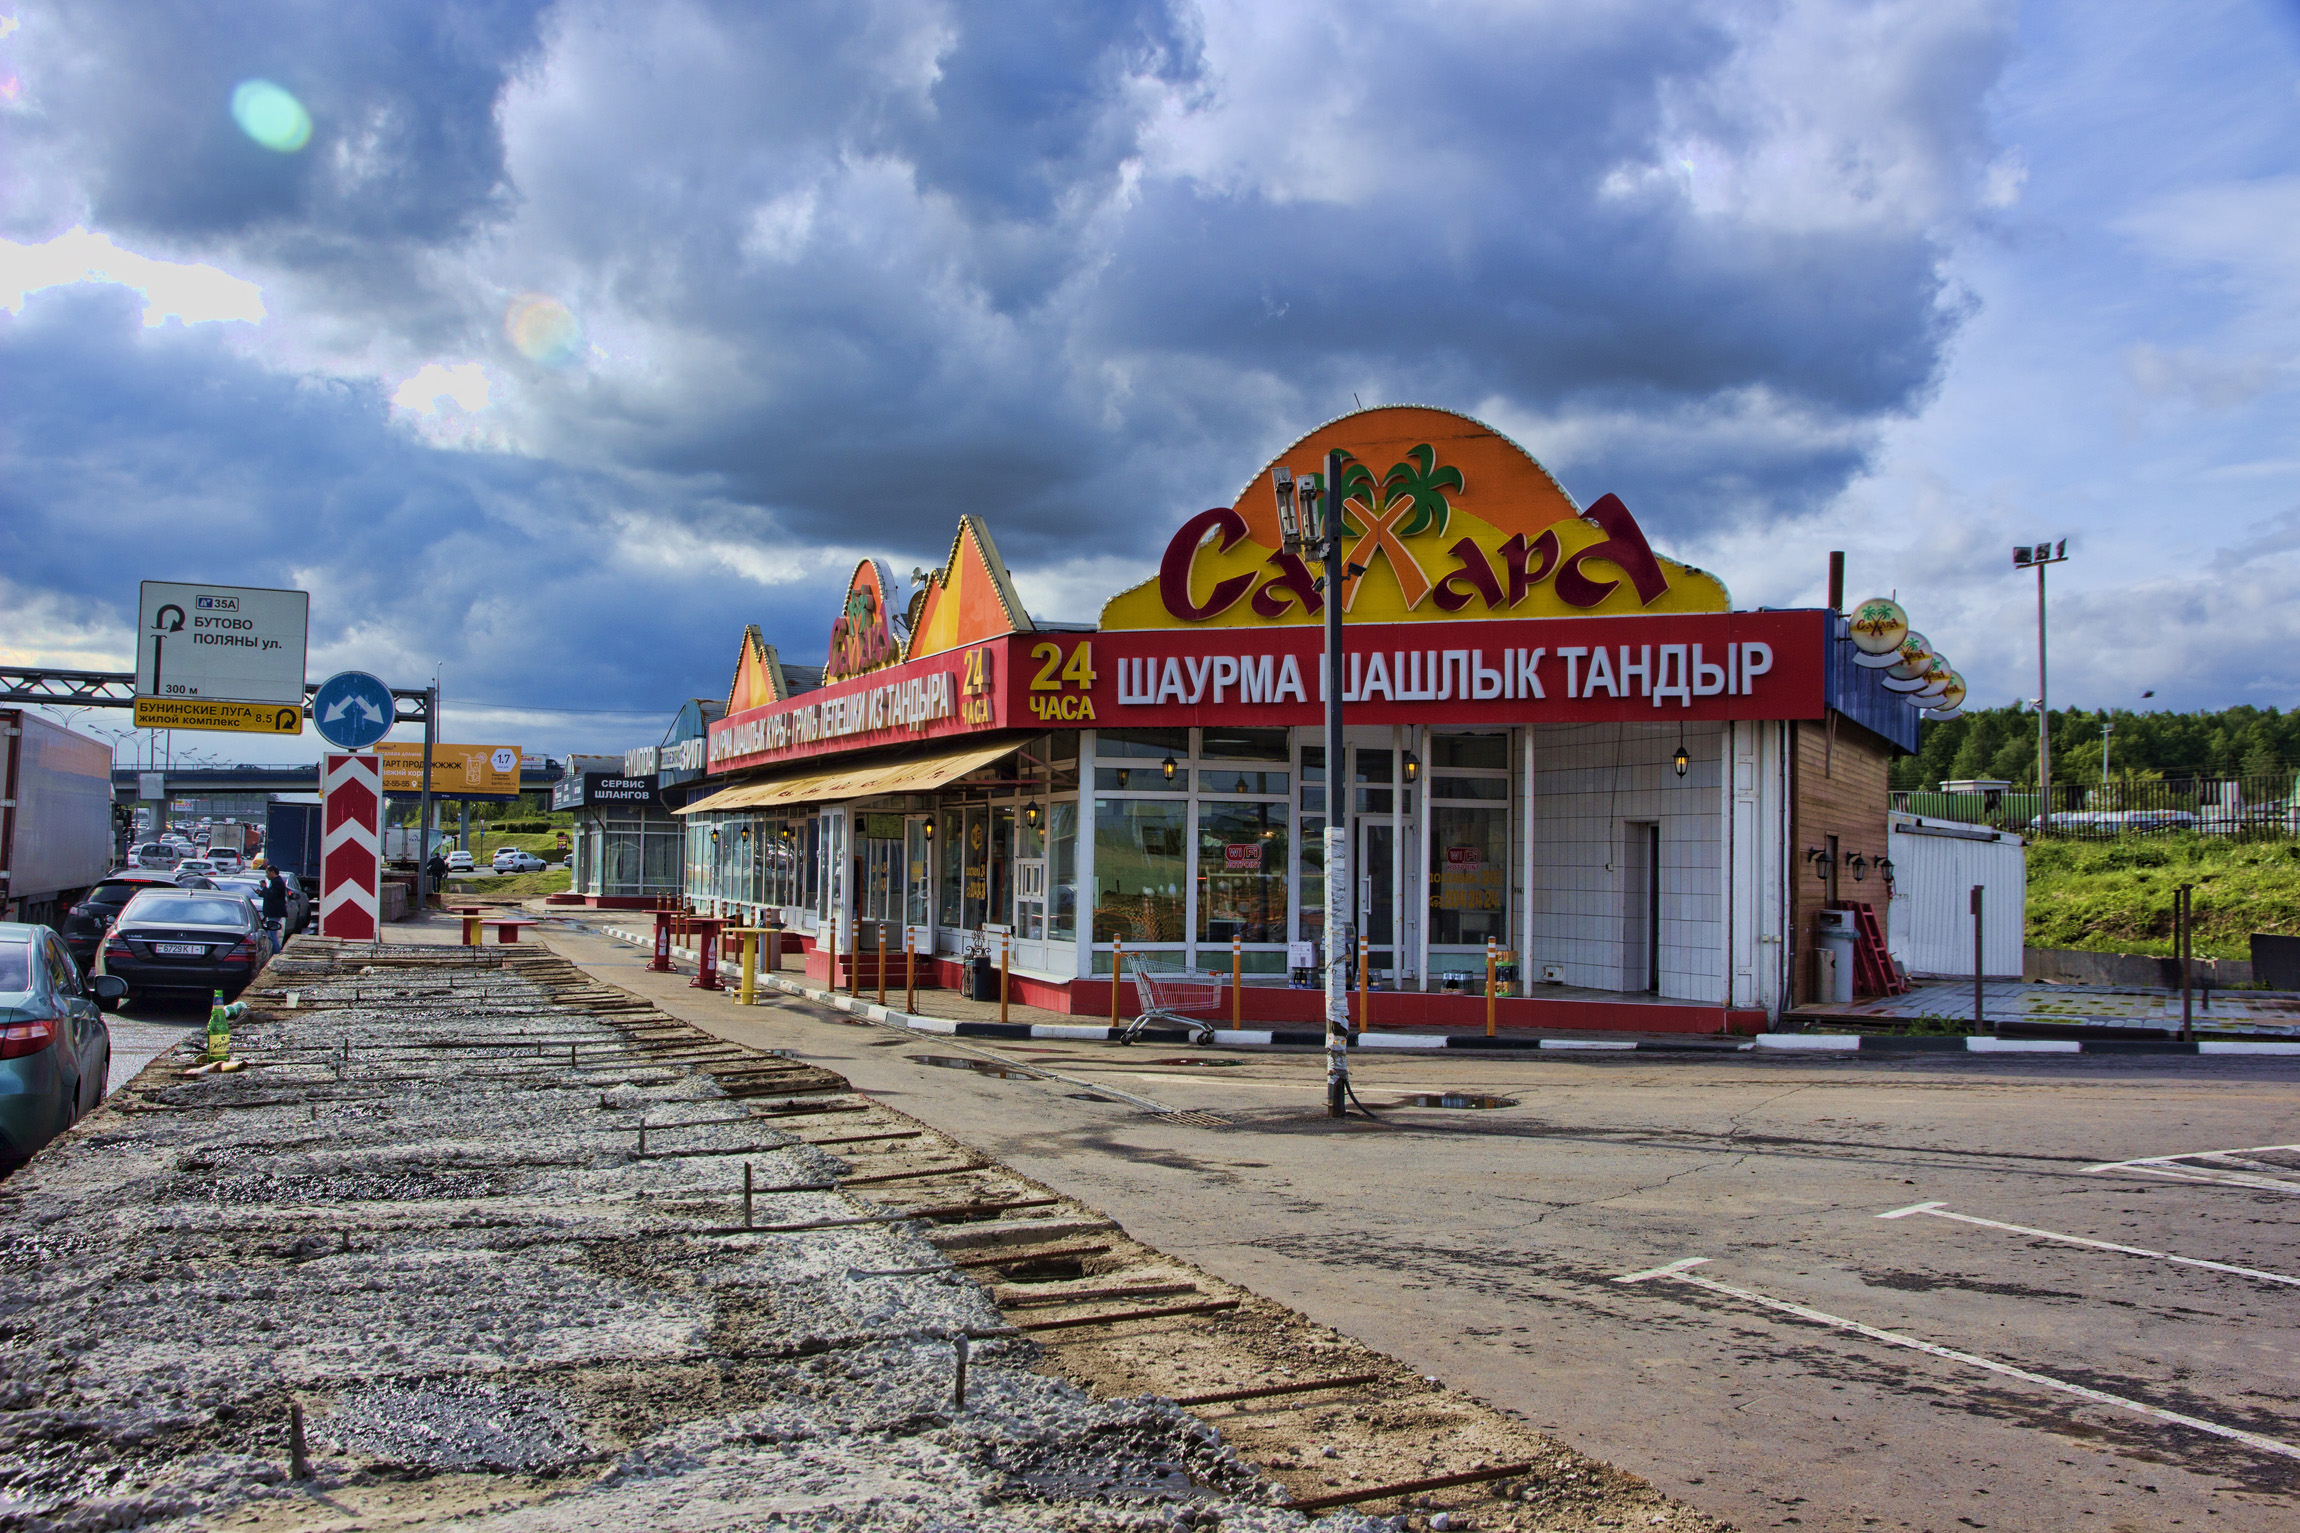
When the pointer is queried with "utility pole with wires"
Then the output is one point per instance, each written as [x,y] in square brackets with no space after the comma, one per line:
[2040,555]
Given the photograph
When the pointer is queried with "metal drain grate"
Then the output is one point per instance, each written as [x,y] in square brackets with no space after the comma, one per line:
[1193,1119]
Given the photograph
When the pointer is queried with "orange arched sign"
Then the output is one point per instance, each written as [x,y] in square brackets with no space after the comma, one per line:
[1450,520]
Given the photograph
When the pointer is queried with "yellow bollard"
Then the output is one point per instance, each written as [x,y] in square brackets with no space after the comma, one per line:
[747,994]
[882,963]
[1237,975]
[910,971]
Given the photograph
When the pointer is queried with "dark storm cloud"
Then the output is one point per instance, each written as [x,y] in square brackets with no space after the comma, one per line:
[851,269]
[402,101]
[160,455]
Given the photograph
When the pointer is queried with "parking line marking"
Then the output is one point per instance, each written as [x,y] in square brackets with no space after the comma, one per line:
[1677,1272]
[2170,1168]
[1940,1211]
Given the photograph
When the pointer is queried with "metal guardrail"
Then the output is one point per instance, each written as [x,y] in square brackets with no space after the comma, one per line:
[2263,806]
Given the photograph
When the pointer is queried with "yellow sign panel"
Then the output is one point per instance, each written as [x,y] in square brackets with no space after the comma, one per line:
[454,768]
[206,713]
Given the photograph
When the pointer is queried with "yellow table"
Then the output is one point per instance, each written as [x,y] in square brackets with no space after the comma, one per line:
[746,994]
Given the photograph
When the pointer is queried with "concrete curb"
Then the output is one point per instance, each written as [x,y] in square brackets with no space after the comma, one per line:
[1290,1038]
[1831,1043]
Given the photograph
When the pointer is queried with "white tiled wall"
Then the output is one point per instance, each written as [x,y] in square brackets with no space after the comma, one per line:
[1590,783]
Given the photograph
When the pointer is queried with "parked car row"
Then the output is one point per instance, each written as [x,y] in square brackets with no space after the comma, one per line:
[55,1050]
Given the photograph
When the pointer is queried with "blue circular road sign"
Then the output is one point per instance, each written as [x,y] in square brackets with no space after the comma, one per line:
[352,710]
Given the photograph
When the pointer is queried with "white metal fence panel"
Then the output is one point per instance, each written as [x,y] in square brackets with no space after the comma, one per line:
[1935,865]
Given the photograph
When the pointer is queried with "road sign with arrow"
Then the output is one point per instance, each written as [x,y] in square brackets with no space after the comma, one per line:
[220,657]
[352,710]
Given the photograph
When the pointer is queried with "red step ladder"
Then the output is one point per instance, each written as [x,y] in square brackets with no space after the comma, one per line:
[1874,972]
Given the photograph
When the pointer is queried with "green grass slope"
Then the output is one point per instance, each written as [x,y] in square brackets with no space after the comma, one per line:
[2116,896]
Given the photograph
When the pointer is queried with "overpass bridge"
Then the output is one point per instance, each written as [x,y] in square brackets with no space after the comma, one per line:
[536,775]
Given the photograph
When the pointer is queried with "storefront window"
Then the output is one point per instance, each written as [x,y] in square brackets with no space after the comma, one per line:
[1313,879]
[810,862]
[1141,868]
[1469,874]
[917,890]
[1001,860]
[952,833]
[1475,752]
[1243,744]
[1242,855]
[1062,871]
[1065,756]
[1133,760]
[974,910]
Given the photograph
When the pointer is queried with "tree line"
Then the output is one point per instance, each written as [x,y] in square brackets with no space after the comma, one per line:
[2000,743]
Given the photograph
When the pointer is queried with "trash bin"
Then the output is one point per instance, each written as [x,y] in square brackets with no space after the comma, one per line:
[1838,939]
[983,975]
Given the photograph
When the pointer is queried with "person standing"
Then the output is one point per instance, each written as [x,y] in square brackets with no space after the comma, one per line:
[275,906]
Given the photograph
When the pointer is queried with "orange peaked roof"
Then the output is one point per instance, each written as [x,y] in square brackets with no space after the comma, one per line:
[758,674]
[970,599]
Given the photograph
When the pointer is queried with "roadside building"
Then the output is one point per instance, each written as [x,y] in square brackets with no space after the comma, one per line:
[1560,742]
[626,847]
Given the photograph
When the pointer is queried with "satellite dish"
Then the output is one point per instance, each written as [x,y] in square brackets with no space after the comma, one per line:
[1877,628]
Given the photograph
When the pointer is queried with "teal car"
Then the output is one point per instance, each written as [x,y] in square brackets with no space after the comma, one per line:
[54,1047]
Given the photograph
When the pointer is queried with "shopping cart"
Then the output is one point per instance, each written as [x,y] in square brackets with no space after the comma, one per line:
[1171,995]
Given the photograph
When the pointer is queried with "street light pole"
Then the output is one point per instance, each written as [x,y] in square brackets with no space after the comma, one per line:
[1338,924]
[2040,555]
[1310,530]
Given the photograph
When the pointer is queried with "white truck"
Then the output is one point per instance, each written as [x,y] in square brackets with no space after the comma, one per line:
[56,837]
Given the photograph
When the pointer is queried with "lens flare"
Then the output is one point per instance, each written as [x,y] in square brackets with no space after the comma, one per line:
[271,116]
[543,330]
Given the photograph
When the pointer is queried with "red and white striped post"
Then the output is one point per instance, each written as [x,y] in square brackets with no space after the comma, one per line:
[351,847]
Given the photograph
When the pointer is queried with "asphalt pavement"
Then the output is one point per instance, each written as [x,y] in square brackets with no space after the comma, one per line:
[1686,1266]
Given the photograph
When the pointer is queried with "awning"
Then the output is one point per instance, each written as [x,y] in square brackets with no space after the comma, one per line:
[917,775]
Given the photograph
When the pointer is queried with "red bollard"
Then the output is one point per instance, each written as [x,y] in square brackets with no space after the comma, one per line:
[661,963]
[706,929]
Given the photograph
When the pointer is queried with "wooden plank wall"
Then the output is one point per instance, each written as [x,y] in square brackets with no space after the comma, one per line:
[1842,791]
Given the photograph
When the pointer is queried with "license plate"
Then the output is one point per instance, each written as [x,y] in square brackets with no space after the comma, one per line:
[180,949]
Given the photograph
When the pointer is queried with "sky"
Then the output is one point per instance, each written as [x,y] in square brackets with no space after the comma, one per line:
[548,345]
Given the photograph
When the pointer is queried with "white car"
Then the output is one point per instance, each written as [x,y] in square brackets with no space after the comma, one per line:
[225,859]
[512,860]
[195,868]
[459,862]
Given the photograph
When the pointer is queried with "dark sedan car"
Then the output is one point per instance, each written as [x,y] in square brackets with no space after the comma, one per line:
[85,926]
[54,1047]
[186,940]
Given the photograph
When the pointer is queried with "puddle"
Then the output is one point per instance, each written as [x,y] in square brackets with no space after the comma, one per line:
[1454,1099]
[979,1066]
[1212,1064]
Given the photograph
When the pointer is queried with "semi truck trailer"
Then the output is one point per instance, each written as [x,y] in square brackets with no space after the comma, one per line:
[56,837]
